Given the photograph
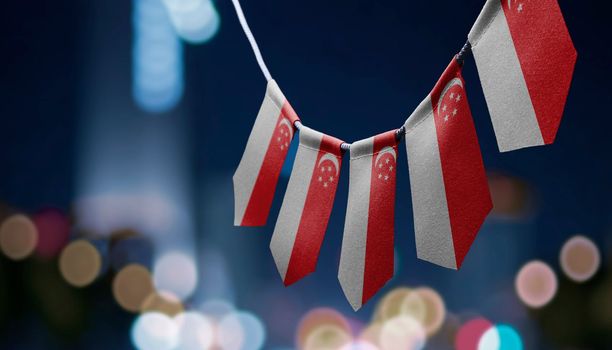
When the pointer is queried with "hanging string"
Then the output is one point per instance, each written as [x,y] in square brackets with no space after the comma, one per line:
[460,57]
[249,35]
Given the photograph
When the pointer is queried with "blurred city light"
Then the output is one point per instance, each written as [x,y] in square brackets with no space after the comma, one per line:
[195,21]
[157,58]
[435,311]
[53,231]
[500,337]
[247,325]
[360,345]
[164,302]
[131,286]
[176,272]
[196,332]
[216,308]
[155,331]
[80,263]
[580,259]
[18,237]
[469,335]
[401,333]
[327,337]
[320,317]
[231,334]
[536,284]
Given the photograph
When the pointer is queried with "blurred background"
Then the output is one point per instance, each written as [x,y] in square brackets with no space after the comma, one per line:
[122,123]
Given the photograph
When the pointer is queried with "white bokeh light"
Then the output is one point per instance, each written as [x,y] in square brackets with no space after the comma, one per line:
[195,331]
[176,272]
[154,331]
[195,21]
[241,330]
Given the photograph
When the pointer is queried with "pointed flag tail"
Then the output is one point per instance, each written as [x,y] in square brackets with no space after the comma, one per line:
[307,205]
[366,260]
[257,174]
[450,193]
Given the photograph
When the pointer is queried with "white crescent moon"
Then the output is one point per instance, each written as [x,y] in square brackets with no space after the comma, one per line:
[286,122]
[455,81]
[387,149]
[331,158]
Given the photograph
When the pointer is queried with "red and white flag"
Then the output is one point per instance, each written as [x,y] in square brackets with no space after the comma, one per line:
[366,261]
[525,59]
[450,194]
[257,174]
[308,202]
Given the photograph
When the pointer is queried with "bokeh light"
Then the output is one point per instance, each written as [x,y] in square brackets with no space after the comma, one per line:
[580,258]
[500,337]
[511,197]
[319,317]
[536,284]
[80,263]
[176,272]
[131,286]
[360,345]
[327,337]
[435,311]
[195,331]
[401,333]
[155,331]
[195,21]
[391,304]
[241,330]
[469,335]
[216,308]
[164,302]
[18,237]
[158,80]
[53,231]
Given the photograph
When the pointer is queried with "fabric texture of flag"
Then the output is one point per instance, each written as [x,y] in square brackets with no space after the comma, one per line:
[257,174]
[525,59]
[450,193]
[366,260]
[308,202]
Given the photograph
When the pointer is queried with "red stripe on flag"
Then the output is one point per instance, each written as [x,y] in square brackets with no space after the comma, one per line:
[258,208]
[379,256]
[547,56]
[465,182]
[316,211]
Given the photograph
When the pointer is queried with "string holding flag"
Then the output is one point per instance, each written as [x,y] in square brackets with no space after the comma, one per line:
[513,43]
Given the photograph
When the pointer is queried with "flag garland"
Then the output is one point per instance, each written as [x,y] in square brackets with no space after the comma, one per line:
[525,59]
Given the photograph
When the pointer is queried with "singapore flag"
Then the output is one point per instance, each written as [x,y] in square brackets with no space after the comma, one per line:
[308,202]
[366,260]
[450,194]
[525,59]
[257,174]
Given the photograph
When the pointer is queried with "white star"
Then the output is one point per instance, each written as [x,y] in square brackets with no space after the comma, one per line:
[278,138]
[520,7]
[379,176]
[387,161]
[325,184]
[282,147]
[391,168]
[444,108]
[320,178]
[386,177]
[287,144]
[323,169]
[455,111]
[446,118]
[452,95]
[331,179]
[328,168]
[458,98]
[380,165]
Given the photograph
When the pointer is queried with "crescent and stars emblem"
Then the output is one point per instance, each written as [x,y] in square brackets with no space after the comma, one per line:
[327,174]
[286,133]
[386,166]
[448,107]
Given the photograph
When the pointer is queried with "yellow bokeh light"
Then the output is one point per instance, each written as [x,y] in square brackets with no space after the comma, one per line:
[163,302]
[327,337]
[80,263]
[132,286]
[18,237]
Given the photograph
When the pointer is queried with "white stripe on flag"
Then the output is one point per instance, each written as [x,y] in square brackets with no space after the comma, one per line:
[290,214]
[510,106]
[433,235]
[353,255]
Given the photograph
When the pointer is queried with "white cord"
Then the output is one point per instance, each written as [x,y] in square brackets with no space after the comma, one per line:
[249,34]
